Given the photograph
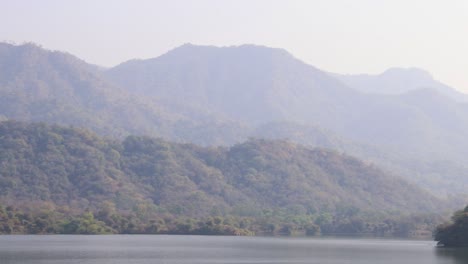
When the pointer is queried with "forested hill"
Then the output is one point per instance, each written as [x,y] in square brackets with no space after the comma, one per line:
[222,96]
[71,168]
[418,129]
[56,87]
[39,85]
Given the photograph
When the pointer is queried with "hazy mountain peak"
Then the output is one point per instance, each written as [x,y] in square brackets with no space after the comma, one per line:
[25,45]
[399,81]
[244,48]
[189,45]
[14,58]
[248,82]
[411,73]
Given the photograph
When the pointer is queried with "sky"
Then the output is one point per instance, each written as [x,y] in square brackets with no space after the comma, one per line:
[342,36]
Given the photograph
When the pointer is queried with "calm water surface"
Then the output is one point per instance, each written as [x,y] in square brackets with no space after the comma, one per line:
[118,249]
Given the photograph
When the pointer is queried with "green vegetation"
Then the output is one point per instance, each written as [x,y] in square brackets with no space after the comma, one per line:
[454,234]
[66,180]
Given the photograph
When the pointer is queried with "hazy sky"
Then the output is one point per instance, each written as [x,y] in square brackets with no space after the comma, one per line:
[355,36]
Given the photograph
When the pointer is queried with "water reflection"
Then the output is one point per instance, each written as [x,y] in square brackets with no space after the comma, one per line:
[452,255]
[219,250]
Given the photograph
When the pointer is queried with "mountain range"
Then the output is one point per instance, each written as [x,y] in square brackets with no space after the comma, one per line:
[402,120]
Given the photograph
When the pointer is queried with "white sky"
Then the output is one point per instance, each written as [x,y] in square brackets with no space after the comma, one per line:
[344,36]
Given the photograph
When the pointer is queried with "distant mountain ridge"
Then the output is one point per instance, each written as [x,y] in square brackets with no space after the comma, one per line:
[399,81]
[55,87]
[220,80]
[276,87]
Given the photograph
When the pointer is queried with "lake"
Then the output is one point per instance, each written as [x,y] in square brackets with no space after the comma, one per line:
[145,249]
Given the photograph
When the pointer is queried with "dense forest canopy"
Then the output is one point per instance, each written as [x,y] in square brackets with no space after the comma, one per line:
[73,181]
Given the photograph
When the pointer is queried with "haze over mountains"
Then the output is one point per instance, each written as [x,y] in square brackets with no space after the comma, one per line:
[257,85]
[221,96]
[399,81]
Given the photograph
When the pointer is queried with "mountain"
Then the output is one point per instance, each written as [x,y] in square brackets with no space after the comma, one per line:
[253,84]
[56,87]
[399,81]
[41,85]
[74,168]
[259,86]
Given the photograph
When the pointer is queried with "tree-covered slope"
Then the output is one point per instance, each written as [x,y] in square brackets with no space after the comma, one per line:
[55,87]
[407,133]
[60,165]
[49,86]
[76,167]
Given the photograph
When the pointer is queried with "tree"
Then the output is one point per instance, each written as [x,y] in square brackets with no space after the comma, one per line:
[86,224]
[454,234]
